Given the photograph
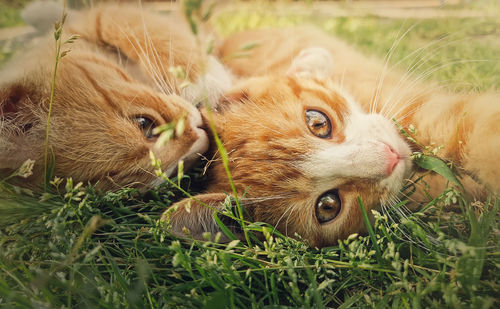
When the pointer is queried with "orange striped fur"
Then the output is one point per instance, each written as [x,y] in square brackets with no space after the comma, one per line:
[282,169]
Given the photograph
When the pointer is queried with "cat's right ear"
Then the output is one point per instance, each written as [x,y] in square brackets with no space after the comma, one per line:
[14,100]
[315,62]
[193,217]
[11,97]
[228,99]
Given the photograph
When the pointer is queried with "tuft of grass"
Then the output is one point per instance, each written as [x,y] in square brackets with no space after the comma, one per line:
[49,160]
[109,250]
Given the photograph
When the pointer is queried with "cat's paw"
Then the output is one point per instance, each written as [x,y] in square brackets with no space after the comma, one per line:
[312,62]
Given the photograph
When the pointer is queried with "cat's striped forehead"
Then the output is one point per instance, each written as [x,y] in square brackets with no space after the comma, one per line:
[266,131]
[322,92]
[285,93]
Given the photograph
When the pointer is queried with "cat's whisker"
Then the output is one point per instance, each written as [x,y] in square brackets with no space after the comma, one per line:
[160,74]
[160,69]
[428,56]
[431,71]
[402,212]
[160,84]
[288,218]
[411,103]
[435,68]
[342,80]
[424,50]
[145,58]
[266,198]
[406,236]
[414,66]
[408,73]
[142,55]
[411,106]
[281,218]
[374,101]
[132,101]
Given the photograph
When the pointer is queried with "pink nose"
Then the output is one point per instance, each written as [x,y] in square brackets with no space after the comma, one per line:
[393,159]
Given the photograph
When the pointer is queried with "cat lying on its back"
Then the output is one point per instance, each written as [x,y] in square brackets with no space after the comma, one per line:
[117,84]
[314,132]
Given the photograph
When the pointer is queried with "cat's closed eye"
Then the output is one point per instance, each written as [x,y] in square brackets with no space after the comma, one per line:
[318,123]
[146,125]
[328,206]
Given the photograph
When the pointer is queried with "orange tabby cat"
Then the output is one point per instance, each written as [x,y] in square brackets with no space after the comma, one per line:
[121,79]
[314,132]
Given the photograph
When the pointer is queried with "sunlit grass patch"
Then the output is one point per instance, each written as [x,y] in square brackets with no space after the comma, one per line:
[10,14]
[462,53]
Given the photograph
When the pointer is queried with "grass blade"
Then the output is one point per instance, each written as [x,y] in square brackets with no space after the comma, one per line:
[370,231]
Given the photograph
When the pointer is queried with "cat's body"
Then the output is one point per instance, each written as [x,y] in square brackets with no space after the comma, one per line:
[112,88]
[285,172]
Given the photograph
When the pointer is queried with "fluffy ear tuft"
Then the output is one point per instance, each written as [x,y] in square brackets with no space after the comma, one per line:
[10,98]
[235,96]
[194,216]
[316,62]
[16,110]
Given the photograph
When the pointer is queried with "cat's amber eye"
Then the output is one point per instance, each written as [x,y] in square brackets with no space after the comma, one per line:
[318,123]
[146,125]
[328,206]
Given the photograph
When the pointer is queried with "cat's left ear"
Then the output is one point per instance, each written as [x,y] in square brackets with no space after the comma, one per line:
[11,97]
[312,62]
[195,216]
[16,101]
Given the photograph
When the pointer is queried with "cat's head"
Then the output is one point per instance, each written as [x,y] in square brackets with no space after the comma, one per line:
[303,151]
[101,122]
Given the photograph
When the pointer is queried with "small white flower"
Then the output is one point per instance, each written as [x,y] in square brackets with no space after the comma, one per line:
[26,169]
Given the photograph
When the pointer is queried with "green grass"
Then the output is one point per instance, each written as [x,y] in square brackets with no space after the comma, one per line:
[9,17]
[466,50]
[79,248]
[10,12]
